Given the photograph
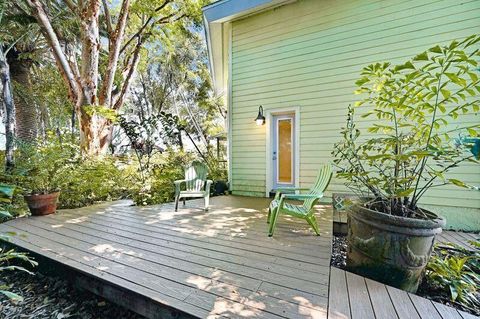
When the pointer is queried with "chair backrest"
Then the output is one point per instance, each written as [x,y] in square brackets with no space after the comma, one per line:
[323,179]
[195,176]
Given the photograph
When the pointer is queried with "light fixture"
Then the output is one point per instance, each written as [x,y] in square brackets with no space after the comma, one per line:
[260,120]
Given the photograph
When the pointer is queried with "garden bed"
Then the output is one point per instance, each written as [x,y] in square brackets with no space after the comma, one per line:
[55,298]
[426,290]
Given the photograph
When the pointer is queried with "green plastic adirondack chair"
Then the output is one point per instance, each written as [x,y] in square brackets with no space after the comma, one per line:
[305,211]
[196,184]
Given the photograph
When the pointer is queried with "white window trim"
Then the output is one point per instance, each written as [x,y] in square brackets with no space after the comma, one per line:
[269,113]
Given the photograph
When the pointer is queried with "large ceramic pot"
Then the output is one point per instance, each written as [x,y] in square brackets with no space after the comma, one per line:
[390,249]
[43,204]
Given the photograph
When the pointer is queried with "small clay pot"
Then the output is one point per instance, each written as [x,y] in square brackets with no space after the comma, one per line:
[43,204]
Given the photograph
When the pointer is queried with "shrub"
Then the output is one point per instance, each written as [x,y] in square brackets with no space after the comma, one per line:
[455,272]
[40,166]
[416,109]
[93,180]
[6,259]
[158,186]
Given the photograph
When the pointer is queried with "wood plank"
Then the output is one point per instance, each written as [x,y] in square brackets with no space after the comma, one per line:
[266,275]
[360,304]
[450,237]
[201,241]
[227,229]
[150,275]
[226,224]
[244,276]
[425,307]
[402,303]
[204,240]
[338,302]
[101,274]
[447,312]
[466,315]
[381,303]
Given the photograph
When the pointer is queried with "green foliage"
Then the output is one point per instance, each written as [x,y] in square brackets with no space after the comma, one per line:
[40,166]
[93,180]
[7,257]
[158,187]
[415,109]
[455,271]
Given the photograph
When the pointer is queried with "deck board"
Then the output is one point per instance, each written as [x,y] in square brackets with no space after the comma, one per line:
[360,304]
[216,263]
[219,263]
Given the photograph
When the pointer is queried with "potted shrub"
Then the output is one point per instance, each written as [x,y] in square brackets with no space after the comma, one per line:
[409,148]
[40,168]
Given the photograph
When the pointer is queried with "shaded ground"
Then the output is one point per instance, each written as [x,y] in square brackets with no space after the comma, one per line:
[54,298]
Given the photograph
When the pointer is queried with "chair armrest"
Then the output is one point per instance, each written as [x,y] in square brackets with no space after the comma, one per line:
[177,184]
[301,196]
[279,191]
[283,189]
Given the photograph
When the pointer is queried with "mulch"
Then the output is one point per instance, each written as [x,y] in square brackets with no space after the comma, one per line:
[55,298]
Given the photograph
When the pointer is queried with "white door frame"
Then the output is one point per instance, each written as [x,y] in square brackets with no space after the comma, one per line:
[269,137]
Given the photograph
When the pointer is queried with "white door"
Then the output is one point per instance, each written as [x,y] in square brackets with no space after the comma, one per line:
[283,154]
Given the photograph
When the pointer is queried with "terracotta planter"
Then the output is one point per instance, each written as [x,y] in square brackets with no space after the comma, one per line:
[40,205]
[390,249]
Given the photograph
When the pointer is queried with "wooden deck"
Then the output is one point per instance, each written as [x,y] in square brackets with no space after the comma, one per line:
[356,297]
[191,263]
[219,263]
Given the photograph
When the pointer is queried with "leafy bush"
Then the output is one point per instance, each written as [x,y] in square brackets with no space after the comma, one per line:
[158,186]
[416,109]
[93,180]
[455,272]
[6,259]
[40,166]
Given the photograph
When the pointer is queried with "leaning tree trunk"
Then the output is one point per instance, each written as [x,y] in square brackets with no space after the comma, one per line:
[26,112]
[7,97]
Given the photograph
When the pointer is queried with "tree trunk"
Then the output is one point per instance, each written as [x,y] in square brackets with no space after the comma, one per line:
[95,132]
[26,111]
[9,110]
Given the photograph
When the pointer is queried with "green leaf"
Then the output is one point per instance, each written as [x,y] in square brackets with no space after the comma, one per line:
[457,183]
[436,49]
[446,93]
[5,214]
[421,57]
[12,296]
[472,132]
[407,65]
[455,79]
[405,192]
[362,81]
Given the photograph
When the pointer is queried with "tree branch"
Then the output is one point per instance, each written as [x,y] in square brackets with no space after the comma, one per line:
[108,18]
[130,71]
[52,40]
[115,42]
[144,26]
[71,5]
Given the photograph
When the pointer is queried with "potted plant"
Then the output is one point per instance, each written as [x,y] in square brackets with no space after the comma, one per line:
[415,110]
[40,168]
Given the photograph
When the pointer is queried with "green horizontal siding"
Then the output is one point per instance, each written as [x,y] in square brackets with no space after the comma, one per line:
[309,54]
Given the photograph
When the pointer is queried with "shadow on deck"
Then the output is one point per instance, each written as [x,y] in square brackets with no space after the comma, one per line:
[220,263]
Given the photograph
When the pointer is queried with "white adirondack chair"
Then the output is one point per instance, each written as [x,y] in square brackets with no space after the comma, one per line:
[196,184]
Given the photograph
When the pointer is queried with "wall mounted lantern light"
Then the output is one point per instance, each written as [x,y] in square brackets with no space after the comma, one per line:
[260,120]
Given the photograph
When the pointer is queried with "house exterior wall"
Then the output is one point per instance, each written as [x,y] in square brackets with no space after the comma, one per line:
[308,54]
